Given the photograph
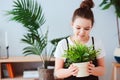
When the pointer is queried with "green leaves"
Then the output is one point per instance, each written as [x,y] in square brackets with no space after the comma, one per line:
[27,12]
[106,4]
[117,8]
[36,43]
[80,53]
[55,42]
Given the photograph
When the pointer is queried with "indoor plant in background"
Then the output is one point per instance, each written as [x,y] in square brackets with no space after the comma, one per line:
[55,42]
[80,55]
[106,5]
[29,13]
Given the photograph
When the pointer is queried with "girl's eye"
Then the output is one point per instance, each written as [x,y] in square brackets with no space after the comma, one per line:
[87,29]
[78,28]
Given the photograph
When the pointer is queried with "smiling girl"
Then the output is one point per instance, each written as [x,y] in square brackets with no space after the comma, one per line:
[82,24]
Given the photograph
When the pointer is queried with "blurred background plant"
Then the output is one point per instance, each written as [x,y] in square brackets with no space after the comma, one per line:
[30,14]
[106,4]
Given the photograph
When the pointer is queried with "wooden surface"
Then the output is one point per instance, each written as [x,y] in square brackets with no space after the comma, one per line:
[114,71]
[18,78]
[20,59]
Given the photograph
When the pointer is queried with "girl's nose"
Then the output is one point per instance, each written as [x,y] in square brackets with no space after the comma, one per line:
[82,31]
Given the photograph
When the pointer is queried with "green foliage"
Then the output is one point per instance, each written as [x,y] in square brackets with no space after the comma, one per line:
[55,42]
[80,53]
[116,3]
[29,13]
[36,44]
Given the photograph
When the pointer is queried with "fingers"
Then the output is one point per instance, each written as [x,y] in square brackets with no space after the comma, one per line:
[91,69]
[73,70]
[91,66]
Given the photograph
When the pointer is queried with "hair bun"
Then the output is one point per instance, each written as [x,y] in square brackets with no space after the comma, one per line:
[87,4]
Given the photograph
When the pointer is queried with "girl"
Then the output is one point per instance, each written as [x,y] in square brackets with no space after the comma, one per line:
[82,23]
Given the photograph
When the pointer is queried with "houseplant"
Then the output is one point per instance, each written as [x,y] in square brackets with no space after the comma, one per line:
[106,5]
[29,13]
[80,54]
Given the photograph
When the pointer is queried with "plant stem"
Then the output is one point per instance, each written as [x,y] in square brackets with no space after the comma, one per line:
[118,30]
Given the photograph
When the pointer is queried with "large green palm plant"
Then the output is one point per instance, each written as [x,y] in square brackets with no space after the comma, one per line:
[106,4]
[29,13]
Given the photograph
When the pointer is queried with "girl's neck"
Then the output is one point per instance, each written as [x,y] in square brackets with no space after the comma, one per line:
[83,41]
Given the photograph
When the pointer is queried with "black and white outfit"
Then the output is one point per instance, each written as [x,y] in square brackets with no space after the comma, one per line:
[63,45]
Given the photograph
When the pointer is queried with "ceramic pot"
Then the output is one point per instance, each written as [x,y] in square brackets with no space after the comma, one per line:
[83,69]
[46,74]
[117,54]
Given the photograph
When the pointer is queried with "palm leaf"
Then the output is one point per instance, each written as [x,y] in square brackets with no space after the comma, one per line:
[31,50]
[29,13]
[37,43]
[28,39]
[117,8]
[103,2]
[107,6]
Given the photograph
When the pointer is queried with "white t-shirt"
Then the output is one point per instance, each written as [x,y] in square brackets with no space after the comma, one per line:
[62,46]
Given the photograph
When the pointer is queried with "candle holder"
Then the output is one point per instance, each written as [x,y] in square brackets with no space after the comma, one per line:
[6,56]
[7,49]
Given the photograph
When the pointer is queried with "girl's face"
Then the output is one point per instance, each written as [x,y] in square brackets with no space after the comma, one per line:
[81,28]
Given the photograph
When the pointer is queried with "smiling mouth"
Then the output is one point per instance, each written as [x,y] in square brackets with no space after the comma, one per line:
[81,35]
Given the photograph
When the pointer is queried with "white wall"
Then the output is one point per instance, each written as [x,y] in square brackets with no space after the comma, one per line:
[58,15]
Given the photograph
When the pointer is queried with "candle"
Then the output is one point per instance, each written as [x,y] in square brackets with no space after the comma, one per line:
[6,39]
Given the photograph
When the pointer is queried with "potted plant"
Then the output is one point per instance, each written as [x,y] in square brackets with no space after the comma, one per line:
[30,14]
[106,5]
[80,55]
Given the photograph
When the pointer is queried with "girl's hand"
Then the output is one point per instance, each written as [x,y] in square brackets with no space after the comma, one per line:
[91,69]
[73,70]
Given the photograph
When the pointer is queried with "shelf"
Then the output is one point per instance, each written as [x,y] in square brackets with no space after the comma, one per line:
[18,78]
[22,59]
[19,59]
[21,78]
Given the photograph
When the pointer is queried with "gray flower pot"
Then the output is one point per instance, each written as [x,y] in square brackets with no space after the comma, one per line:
[46,74]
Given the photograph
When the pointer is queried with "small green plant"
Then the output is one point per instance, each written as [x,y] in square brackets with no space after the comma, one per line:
[80,53]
